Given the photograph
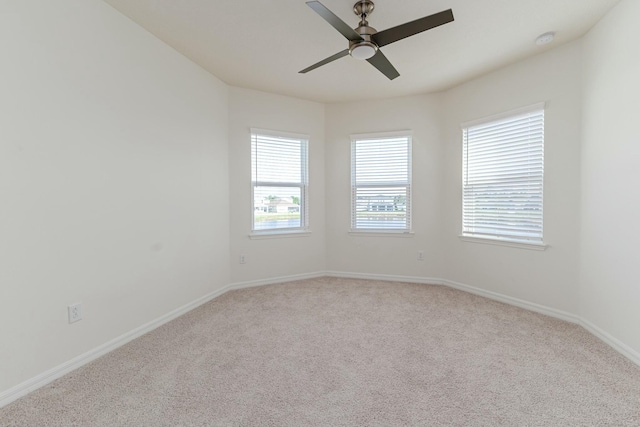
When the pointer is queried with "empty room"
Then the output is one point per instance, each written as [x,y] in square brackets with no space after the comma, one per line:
[319,213]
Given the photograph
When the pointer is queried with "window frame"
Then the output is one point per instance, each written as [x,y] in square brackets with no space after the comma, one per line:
[519,241]
[303,185]
[401,232]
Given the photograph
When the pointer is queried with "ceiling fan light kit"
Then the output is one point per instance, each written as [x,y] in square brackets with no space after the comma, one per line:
[365,41]
[363,50]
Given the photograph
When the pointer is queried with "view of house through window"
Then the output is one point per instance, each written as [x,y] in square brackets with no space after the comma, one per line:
[503,167]
[381,182]
[279,178]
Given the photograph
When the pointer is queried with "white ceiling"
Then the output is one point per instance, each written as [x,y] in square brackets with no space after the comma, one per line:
[262,44]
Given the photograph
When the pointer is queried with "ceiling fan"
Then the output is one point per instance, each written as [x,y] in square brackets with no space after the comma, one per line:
[365,42]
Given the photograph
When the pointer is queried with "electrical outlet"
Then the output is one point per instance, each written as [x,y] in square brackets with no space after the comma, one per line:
[75,312]
[243,260]
[420,255]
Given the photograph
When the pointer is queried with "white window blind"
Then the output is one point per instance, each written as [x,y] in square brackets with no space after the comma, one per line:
[279,176]
[503,168]
[381,182]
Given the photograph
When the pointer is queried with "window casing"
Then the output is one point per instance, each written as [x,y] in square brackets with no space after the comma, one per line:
[279,182]
[381,182]
[503,173]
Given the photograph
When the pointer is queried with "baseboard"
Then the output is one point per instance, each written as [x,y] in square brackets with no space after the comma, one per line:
[612,342]
[52,374]
[385,277]
[531,306]
[272,280]
[466,288]
[607,338]
[38,381]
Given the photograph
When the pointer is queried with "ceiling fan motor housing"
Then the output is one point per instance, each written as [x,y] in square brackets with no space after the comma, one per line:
[365,48]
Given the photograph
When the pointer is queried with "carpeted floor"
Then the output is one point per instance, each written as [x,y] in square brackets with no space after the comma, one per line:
[342,352]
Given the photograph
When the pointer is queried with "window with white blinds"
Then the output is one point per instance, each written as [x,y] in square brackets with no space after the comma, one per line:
[503,169]
[279,181]
[381,182]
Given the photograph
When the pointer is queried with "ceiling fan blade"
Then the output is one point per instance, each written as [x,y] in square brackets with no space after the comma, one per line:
[334,21]
[400,32]
[326,61]
[383,65]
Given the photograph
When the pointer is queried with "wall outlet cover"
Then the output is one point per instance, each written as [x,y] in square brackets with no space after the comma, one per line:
[75,312]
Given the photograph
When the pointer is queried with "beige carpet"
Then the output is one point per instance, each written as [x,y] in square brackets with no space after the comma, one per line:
[334,352]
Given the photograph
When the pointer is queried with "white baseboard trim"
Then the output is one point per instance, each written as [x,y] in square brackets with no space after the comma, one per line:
[531,306]
[607,338]
[466,288]
[46,377]
[272,280]
[612,342]
[385,277]
[52,374]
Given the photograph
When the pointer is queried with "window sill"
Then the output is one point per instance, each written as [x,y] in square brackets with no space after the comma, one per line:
[279,234]
[380,233]
[508,243]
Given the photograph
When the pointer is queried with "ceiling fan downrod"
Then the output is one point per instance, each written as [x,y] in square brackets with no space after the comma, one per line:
[363,8]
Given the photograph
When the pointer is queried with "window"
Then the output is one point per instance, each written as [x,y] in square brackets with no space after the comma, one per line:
[503,166]
[381,182]
[279,181]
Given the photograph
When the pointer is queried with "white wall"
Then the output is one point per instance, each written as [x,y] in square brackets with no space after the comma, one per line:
[125,177]
[277,256]
[550,277]
[113,181]
[390,255]
[610,290]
